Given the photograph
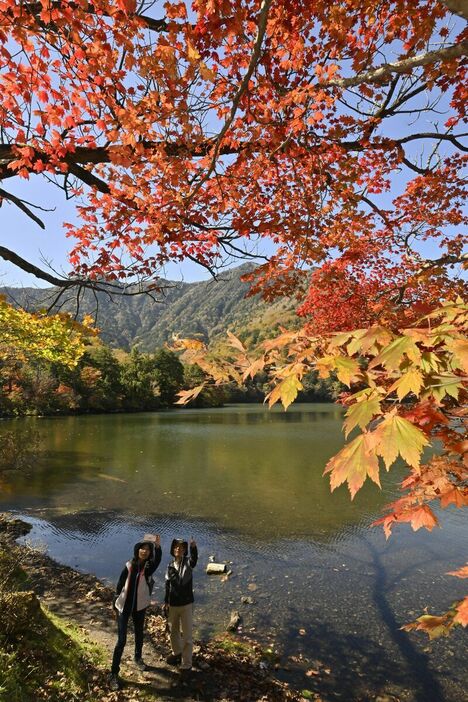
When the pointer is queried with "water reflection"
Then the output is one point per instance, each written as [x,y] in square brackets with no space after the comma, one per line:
[243,467]
[247,484]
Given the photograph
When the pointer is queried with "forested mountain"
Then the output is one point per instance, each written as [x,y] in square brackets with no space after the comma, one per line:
[205,310]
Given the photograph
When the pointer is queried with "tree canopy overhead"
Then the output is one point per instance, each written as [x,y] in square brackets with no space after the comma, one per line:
[333,130]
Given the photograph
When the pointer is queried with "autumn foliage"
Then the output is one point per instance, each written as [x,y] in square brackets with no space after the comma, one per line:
[202,132]
[407,391]
[56,338]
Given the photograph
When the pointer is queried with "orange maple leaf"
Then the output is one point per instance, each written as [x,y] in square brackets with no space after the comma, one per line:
[461,573]
[462,612]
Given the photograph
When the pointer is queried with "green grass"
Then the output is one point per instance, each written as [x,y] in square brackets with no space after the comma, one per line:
[95,653]
[42,657]
[230,645]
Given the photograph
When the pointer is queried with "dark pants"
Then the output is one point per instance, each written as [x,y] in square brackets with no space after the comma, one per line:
[122,624]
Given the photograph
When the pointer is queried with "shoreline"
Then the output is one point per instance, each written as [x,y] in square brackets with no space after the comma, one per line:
[225,668]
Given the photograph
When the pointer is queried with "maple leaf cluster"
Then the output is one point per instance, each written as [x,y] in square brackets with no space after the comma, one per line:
[198,134]
[407,392]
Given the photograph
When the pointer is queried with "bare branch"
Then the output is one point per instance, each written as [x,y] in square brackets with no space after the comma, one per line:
[383,73]
[436,135]
[22,206]
[28,267]
[108,287]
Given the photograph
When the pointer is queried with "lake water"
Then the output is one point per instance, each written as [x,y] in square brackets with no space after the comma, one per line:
[329,593]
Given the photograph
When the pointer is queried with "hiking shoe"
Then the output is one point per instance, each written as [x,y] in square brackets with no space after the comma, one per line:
[174,659]
[114,682]
[140,663]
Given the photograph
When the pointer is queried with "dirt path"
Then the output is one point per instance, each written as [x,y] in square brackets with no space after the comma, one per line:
[85,601]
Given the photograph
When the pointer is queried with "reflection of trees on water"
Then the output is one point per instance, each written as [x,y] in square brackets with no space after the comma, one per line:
[245,468]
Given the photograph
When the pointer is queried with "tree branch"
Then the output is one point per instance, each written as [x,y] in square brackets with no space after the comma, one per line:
[35,9]
[88,178]
[79,284]
[458,7]
[383,73]
[262,23]
[28,267]
[103,154]
[22,206]
[435,135]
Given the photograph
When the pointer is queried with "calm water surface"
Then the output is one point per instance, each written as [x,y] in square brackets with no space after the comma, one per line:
[247,484]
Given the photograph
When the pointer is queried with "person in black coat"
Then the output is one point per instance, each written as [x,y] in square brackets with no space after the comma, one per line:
[179,601]
[132,597]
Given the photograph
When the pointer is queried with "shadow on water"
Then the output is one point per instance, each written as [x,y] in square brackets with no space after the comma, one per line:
[426,686]
[353,666]
[349,667]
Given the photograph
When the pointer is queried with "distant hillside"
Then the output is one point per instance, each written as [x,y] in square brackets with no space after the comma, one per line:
[204,309]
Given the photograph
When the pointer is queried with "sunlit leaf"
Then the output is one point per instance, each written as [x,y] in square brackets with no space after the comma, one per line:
[392,356]
[347,369]
[445,385]
[410,381]
[361,412]
[397,436]
[286,391]
[462,612]
[186,396]
[353,464]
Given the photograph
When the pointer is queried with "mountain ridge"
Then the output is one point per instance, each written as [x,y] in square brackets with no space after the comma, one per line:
[204,309]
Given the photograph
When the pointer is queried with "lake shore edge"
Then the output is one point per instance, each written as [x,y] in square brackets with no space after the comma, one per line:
[225,668]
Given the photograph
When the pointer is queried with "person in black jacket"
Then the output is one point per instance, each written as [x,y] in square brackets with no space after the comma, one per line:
[132,597]
[179,601]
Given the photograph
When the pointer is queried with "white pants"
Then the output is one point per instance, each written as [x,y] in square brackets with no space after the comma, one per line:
[180,624]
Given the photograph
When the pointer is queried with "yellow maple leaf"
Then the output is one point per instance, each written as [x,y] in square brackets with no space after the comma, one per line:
[186,396]
[410,381]
[347,369]
[192,53]
[393,354]
[362,411]
[446,385]
[369,340]
[459,348]
[286,391]
[432,626]
[397,436]
[353,464]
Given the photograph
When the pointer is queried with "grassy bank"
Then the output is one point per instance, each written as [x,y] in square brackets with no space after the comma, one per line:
[42,657]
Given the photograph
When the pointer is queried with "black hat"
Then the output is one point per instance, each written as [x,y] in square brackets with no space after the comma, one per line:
[179,542]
